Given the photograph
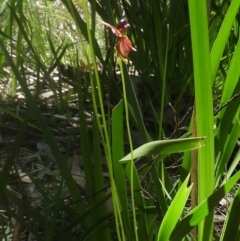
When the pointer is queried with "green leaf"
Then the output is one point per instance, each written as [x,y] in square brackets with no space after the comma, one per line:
[165,147]
[119,172]
[231,229]
[204,107]
[223,35]
[202,210]
[174,212]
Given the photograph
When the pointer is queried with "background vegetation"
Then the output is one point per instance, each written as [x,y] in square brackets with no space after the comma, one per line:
[91,148]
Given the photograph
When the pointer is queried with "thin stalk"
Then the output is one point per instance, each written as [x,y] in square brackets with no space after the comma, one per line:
[131,147]
[103,133]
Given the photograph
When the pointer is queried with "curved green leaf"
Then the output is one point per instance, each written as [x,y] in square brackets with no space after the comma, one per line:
[174,211]
[202,210]
[165,147]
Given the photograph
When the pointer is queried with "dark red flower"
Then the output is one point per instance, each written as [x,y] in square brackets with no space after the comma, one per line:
[123,45]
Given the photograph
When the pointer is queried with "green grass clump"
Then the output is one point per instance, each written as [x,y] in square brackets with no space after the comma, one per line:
[91,148]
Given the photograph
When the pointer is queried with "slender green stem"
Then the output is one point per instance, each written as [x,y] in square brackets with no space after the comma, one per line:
[131,146]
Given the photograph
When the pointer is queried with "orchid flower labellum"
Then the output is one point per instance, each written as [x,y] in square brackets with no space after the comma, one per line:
[123,44]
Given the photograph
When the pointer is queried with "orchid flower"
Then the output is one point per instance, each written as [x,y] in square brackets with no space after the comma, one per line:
[123,44]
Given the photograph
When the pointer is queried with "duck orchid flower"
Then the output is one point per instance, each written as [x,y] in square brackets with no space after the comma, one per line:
[123,44]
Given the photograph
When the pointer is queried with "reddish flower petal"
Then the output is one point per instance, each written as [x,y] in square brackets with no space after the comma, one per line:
[116,31]
[124,46]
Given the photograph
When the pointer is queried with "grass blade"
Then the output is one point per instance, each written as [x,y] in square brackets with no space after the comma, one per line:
[165,147]
[204,109]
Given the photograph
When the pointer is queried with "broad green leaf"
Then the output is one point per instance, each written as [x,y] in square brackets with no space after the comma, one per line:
[204,107]
[174,211]
[165,147]
[202,210]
